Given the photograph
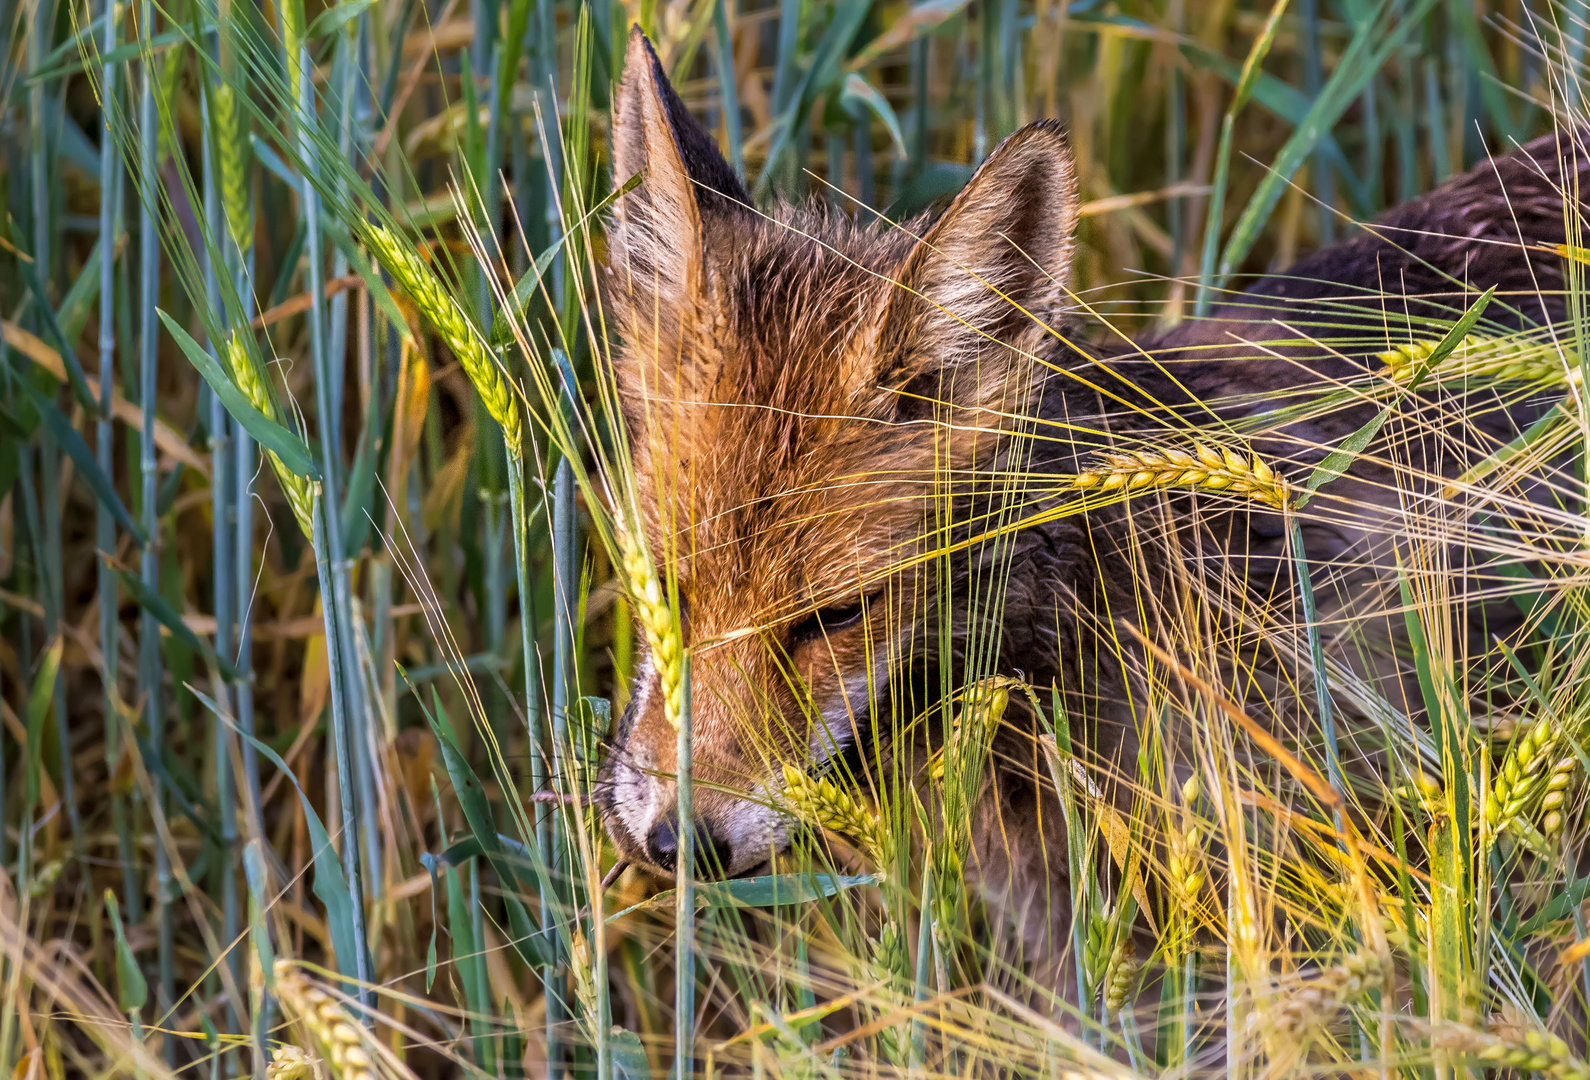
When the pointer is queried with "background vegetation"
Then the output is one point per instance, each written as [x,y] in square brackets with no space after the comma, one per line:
[250,719]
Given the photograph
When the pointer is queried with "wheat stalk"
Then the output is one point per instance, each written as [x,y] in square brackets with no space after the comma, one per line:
[426,290]
[656,621]
[320,1016]
[300,490]
[1204,468]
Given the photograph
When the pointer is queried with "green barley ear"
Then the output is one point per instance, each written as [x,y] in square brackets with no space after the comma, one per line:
[1204,468]
[1533,1051]
[1521,775]
[232,149]
[1555,800]
[1120,978]
[250,380]
[584,983]
[656,621]
[825,803]
[437,305]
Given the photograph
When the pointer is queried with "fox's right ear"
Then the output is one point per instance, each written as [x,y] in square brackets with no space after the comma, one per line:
[658,247]
[979,292]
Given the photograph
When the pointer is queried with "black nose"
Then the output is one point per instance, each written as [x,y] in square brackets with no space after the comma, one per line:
[713,853]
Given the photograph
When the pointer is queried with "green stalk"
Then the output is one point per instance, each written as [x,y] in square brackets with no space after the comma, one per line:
[924,970]
[1316,649]
[350,85]
[564,599]
[149,563]
[110,226]
[1313,77]
[344,748]
[684,895]
[1435,112]
[1213,222]
[51,591]
[532,688]
[330,555]
[222,547]
[246,462]
[728,89]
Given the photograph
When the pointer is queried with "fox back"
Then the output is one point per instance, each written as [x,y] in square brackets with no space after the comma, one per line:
[836,428]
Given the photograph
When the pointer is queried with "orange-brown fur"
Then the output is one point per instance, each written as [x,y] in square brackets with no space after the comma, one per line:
[798,390]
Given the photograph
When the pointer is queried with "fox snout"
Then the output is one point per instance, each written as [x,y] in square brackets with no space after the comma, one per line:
[735,825]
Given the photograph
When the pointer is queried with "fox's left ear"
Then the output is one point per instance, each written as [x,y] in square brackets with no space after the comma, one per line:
[979,292]
[658,242]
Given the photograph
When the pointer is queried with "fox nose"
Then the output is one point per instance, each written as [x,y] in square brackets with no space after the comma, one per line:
[713,853]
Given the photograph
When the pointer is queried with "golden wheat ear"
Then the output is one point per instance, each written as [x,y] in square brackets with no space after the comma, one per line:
[984,284]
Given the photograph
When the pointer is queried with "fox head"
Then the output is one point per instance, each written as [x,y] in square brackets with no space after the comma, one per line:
[798,392]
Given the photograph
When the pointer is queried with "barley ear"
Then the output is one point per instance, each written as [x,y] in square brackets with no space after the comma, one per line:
[657,622]
[340,1041]
[232,153]
[434,302]
[822,802]
[1320,997]
[250,380]
[290,1062]
[1533,1051]
[1203,468]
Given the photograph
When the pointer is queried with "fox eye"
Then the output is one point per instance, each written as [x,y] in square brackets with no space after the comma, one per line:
[827,620]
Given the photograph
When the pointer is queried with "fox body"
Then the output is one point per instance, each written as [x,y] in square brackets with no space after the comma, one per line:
[823,416]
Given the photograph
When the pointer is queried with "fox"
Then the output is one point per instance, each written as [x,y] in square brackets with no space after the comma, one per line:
[824,410]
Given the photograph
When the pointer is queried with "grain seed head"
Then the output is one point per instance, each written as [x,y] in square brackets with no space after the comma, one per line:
[289,1062]
[1521,776]
[426,290]
[1555,800]
[340,1041]
[1534,1051]
[250,380]
[1479,358]
[1204,468]
[232,162]
[657,622]
[1319,998]
[822,802]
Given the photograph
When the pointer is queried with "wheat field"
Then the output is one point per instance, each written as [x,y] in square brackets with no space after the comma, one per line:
[320,592]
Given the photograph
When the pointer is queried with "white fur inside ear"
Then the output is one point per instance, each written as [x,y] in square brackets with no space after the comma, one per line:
[657,244]
[994,269]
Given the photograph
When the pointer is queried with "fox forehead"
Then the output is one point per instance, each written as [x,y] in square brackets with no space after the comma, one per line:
[771,462]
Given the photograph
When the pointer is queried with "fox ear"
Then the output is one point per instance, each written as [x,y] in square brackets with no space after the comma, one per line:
[978,292]
[658,242]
